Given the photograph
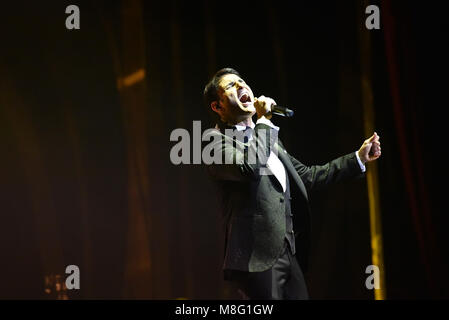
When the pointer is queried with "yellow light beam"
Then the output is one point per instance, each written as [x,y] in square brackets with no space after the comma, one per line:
[372,170]
[131,79]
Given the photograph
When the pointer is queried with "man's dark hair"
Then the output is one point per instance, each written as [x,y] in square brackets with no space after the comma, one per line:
[211,90]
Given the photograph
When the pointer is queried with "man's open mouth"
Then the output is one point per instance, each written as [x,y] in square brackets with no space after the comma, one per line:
[244,96]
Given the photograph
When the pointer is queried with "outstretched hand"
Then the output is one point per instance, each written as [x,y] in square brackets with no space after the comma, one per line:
[370,149]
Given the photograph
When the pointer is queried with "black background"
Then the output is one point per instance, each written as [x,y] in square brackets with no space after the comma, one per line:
[65,138]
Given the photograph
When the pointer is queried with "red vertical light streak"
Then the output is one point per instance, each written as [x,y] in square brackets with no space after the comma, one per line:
[404,146]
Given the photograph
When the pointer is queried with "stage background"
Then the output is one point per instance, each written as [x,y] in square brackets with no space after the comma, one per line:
[86,177]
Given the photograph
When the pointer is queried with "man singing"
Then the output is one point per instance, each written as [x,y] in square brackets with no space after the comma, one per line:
[265,202]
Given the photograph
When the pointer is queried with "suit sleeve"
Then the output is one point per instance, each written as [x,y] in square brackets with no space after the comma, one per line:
[319,176]
[242,163]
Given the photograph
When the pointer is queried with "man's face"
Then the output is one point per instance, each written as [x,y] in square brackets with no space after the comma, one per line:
[236,102]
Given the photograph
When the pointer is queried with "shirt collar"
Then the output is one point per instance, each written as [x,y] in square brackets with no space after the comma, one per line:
[237,126]
[243,127]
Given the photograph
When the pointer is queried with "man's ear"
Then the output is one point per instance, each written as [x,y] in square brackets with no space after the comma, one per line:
[215,106]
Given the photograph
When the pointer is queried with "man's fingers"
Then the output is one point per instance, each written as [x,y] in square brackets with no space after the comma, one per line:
[375,156]
[265,102]
[374,137]
[372,147]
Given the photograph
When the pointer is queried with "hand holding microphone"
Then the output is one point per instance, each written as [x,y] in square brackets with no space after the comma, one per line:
[267,107]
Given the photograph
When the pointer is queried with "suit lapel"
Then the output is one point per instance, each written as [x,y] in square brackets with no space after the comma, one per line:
[282,155]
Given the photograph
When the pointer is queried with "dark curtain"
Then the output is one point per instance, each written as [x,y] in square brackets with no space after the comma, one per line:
[86,177]
[415,67]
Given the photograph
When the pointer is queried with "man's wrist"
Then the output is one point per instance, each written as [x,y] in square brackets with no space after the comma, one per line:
[359,160]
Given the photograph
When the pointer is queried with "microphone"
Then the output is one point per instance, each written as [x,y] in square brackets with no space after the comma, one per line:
[281,111]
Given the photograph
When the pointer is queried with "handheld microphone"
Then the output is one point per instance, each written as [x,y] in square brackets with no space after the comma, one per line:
[281,111]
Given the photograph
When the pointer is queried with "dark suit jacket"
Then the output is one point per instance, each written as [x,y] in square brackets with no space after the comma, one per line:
[254,206]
